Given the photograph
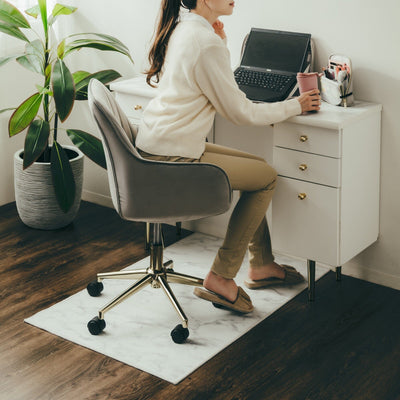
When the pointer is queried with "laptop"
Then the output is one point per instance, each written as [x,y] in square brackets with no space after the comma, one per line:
[270,62]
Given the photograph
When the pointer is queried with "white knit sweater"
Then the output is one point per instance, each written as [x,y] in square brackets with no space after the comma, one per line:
[197,81]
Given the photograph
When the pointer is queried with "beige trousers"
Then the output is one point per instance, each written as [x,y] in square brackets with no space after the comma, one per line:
[247,228]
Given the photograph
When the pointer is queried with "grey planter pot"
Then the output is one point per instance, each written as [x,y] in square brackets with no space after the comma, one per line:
[35,197]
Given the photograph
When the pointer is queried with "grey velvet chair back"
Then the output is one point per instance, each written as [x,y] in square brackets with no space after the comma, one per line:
[152,191]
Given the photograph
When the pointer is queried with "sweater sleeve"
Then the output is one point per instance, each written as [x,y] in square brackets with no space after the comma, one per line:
[214,76]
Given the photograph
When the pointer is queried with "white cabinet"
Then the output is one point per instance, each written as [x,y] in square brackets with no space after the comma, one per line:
[335,165]
[326,204]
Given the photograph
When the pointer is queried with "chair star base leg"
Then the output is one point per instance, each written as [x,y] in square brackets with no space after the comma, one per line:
[176,277]
[170,294]
[140,284]
[131,274]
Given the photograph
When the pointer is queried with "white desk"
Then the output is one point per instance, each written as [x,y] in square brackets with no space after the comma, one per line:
[326,205]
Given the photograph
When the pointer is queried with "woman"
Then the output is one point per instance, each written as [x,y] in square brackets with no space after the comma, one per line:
[190,56]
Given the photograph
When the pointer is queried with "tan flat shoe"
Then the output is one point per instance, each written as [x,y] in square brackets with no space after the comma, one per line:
[292,277]
[242,304]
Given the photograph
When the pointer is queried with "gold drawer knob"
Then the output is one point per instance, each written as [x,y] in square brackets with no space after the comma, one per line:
[303,138]
[301,196]
[303,167]
[138,107]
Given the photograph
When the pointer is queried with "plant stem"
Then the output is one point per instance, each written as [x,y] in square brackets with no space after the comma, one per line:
[46,96]
[46,154]
[55,127]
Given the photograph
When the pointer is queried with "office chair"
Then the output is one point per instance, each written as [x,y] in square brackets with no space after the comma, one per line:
[154,192]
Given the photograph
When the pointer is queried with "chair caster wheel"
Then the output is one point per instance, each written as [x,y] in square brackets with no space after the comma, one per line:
[95,288]
[179,334]
[96,325]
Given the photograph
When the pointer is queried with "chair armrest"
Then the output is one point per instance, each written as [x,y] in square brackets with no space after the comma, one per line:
[171,191]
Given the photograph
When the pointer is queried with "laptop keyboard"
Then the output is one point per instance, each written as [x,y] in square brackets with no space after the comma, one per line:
[269,80]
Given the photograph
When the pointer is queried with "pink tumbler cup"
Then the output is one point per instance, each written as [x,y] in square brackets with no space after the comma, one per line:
[307,81]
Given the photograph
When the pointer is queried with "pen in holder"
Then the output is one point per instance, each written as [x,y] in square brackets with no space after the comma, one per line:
[337,81]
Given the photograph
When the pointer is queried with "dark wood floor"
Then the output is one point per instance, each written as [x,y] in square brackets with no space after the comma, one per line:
[346,345]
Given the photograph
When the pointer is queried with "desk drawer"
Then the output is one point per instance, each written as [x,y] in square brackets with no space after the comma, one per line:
[132,105]
[306,166]
[307,228]
[311,139]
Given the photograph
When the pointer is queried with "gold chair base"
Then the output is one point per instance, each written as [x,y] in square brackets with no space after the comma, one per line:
[158,275]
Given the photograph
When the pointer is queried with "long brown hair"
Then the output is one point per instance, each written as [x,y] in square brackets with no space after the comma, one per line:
[168,20]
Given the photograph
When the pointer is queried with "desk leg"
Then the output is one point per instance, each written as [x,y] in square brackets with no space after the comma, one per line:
[311,280]
[338,274]
[178,228]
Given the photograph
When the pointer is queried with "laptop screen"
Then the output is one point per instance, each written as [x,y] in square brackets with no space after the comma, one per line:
[275,50]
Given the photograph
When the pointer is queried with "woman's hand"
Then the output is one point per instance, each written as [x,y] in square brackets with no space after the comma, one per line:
[219,29]
[310,101]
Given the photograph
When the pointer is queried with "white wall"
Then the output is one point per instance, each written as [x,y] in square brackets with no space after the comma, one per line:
[15,86]
[366,30]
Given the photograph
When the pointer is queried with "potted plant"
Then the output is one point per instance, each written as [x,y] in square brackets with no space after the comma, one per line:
[48,176]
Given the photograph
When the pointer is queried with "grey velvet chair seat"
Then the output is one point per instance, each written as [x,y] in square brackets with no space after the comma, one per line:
[151,191]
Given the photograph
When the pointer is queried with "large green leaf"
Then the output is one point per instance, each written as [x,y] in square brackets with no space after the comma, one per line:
[35,141]
[12,31]
[43,13]
[109,44]
[106,76]
[108,38]
[60,9]
[63,177]
[95,44]
[12,16]
[34,57]
[24,114]
[90,145]
[63,89]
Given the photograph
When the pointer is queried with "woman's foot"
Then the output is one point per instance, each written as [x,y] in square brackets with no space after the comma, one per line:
[271,275]
[272,270]
[226,288]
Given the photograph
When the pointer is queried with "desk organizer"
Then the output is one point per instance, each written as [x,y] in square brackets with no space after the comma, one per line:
[337,81]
